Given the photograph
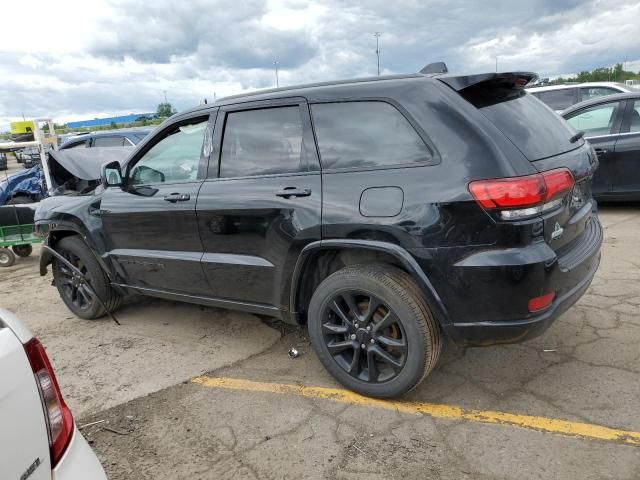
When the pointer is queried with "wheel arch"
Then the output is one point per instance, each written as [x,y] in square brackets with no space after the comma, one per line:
[331,255]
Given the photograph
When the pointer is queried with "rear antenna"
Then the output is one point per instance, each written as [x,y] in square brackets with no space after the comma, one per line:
[435,68]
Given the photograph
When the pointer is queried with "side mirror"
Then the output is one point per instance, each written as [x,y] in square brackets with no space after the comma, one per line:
[111,175]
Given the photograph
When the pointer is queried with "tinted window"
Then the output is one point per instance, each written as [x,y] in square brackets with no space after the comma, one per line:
[109,142]
[594,92]
[557,99]
[365,134]
[635,117]
[81,144]
[260,142]
[596,120]
[175,158]
[532,127]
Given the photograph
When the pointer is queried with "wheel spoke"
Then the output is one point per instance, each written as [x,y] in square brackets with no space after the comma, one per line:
[353,307]
[395,343]
[337,347]
[374,304]
[387,358]
[372,368]
[354,367]
[388,320]
[84,290]
[335,329]
[338,311]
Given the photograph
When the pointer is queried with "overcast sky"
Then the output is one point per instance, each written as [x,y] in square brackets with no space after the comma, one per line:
[83,59]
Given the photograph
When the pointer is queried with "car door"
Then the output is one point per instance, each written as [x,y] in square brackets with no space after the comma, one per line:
[150,227]
[626,171]
[601,126]
[262,204]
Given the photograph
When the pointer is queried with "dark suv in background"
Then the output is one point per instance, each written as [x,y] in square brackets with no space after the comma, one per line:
[384,213]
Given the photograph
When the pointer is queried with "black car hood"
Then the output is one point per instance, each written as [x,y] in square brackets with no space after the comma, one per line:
[85,163]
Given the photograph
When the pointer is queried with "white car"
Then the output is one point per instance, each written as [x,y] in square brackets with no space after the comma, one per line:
[38,436]
[560,97]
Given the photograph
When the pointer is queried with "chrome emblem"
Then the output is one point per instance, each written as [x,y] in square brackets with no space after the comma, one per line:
[557,231]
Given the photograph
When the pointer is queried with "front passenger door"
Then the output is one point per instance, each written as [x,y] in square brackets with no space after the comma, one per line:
[150,227]
[601,126]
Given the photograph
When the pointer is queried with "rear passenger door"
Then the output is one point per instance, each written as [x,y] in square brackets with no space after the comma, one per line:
[601,126]
[261,202]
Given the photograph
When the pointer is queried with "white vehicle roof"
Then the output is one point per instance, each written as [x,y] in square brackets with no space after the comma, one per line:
[621,87]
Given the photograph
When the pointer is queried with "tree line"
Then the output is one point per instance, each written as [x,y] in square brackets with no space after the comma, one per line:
[601,74]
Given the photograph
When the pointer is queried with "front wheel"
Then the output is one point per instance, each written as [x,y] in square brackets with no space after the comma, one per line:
[373,331]
[75,293]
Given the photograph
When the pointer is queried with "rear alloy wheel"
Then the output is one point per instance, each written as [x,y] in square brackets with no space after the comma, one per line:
[373,331]
[73,288]
[7,258]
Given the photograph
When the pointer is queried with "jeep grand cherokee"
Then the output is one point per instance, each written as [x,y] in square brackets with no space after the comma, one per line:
[383,213]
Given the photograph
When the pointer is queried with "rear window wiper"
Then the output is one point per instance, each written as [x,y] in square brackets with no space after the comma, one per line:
[576,137]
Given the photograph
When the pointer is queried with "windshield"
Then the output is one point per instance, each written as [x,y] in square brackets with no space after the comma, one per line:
[534,128]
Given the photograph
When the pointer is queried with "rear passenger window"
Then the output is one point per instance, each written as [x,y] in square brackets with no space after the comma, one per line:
[596,120]
[261,142]
[366,134]
[109,142]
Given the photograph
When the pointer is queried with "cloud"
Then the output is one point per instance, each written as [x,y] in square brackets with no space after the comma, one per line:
[119,56]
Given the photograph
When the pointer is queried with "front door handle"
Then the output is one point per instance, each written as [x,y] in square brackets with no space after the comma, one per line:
[289,192]
[177,197]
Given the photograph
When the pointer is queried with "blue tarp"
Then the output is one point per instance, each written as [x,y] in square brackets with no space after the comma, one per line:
[29,182]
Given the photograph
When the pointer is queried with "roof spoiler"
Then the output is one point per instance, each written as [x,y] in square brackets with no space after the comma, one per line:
[510,80]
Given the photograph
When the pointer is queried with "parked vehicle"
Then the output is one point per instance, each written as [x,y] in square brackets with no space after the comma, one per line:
[38,438]
[3,161]
[560,97]
[612,125]
[430,205]
[30,157]
[70,169]
[115,138]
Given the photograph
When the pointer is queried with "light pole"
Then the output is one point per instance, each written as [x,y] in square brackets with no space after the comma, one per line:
[377,35]
[496,63]
[275,64]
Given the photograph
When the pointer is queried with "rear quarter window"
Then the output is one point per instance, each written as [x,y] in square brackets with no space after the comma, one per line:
[366,134]
[533,128]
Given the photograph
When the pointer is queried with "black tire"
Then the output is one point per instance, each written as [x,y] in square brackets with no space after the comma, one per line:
[22,250]
[399,341]
[20,200]
[78,298]
[7,258]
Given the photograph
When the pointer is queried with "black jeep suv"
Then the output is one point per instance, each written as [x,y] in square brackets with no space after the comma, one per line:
[384,213]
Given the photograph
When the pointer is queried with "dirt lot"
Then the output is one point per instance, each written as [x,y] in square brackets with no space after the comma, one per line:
[155,423]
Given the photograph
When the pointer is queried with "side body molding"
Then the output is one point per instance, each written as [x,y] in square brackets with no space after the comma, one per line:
[405,258]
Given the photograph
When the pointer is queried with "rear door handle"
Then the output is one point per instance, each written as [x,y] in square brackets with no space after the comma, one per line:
[177,197]
[289,192]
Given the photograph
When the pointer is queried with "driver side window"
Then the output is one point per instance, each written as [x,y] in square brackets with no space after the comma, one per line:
[175,158]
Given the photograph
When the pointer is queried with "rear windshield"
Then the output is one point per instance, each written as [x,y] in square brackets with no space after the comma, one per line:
[531,126]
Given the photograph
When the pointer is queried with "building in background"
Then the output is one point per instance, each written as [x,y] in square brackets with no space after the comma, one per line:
[99,122]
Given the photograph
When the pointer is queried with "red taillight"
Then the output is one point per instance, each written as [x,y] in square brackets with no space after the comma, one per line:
[522,192]
[540,303]
[57,414]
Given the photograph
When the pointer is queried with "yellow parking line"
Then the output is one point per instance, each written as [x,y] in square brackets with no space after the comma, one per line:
[544,424]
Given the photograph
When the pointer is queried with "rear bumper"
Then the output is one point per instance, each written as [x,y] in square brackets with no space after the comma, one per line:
[515,331]
[79,462]
[486,294]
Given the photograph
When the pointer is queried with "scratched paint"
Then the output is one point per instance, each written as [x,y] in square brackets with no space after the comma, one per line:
[544,424]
